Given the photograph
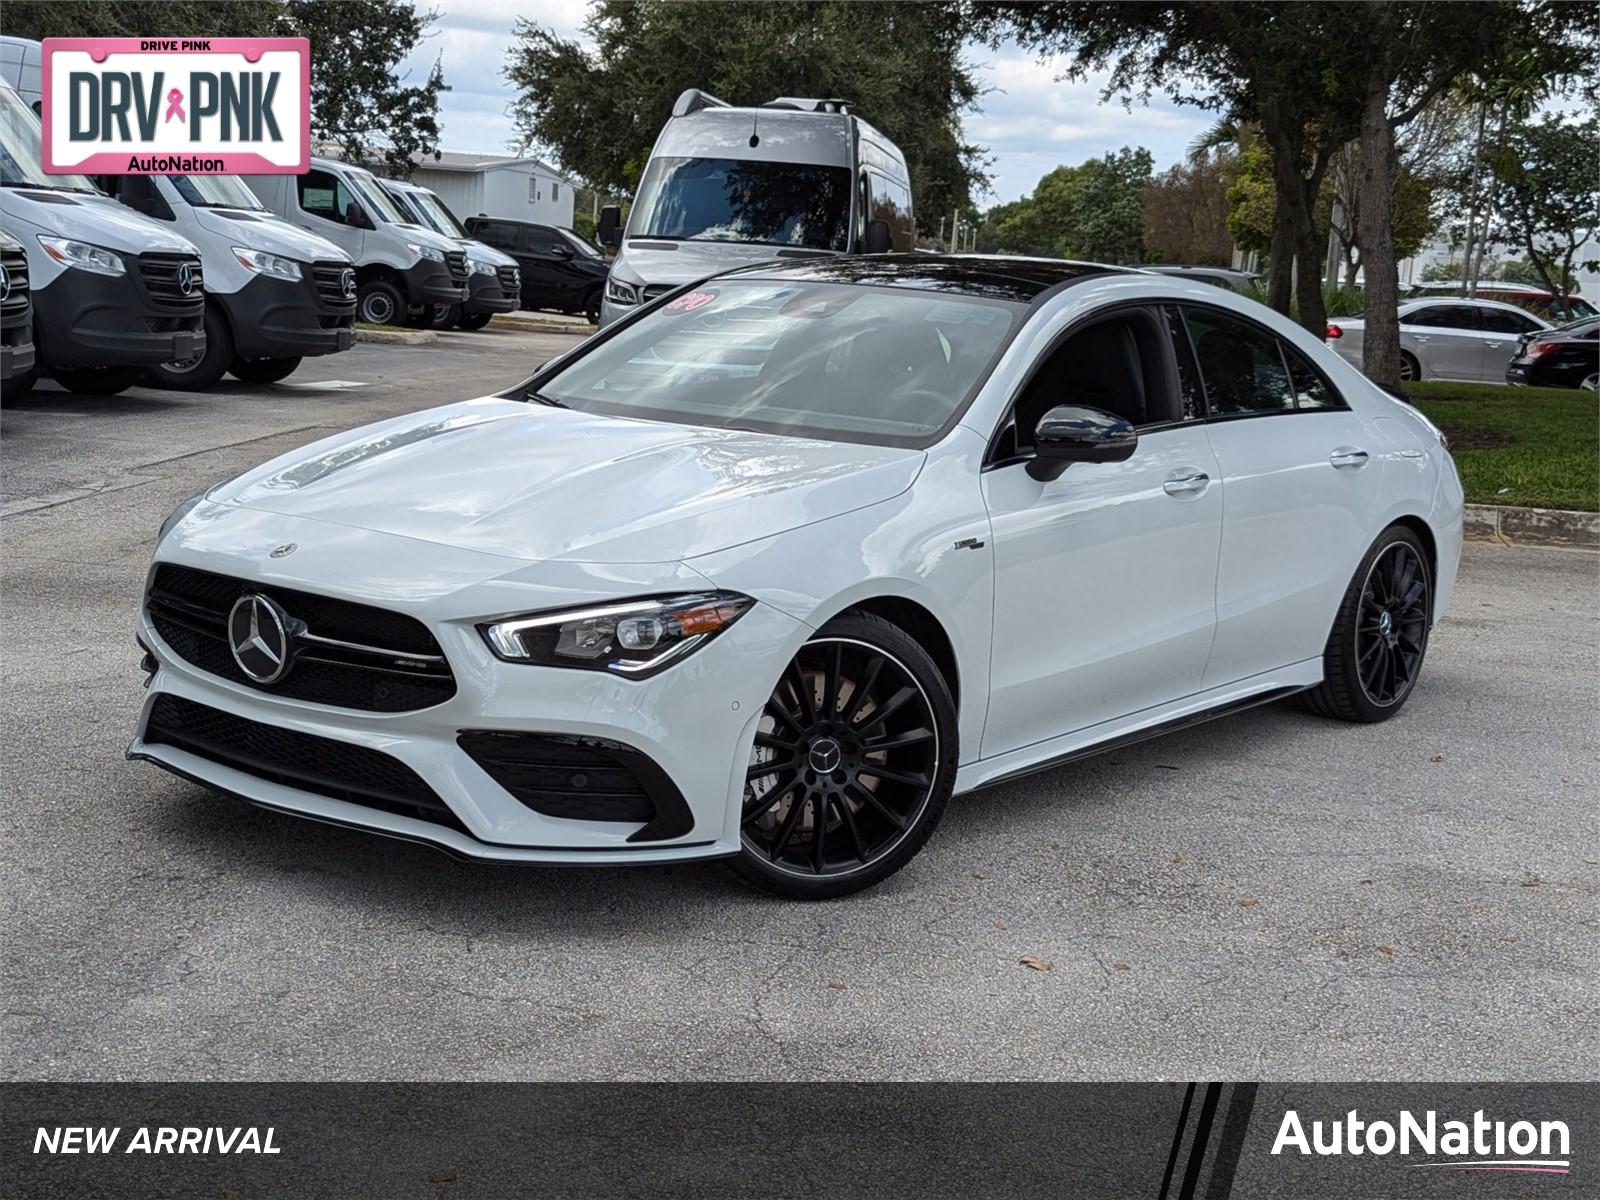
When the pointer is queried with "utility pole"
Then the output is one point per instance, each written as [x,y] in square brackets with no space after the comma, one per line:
[954,244]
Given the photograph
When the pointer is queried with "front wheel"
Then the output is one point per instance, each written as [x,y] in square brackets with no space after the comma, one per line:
[263,370]
[471,321]
[445,316]
[591,307]
[1380,634]
[199,372]
[379,303]
[96,381]
[853,763]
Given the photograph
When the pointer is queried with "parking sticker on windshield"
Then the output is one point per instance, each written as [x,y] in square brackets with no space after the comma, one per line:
[690,301]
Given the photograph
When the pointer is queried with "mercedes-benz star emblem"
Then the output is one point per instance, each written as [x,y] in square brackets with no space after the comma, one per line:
[284,550]
[186,279]
[5,283]
[825,756]
[347,283]
[258,634]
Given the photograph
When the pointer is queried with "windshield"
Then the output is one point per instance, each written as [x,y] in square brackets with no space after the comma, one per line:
[736,200]
[21,164]
[435,215]
[379,204]
[215,191]
[578,244]
[889,366]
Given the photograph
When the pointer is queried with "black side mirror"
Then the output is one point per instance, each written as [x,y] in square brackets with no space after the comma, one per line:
[355,215]
[562,250]
[1068,434]
[609,230]
[879,238]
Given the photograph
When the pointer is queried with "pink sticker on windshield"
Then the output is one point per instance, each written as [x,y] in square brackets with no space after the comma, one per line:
[690,301]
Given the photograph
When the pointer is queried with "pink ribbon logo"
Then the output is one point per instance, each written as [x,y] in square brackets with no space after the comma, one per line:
[175,105]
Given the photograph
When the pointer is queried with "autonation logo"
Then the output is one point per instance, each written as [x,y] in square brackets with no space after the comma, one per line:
[1476,1145]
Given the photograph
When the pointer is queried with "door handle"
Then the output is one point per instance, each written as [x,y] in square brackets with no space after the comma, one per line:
[1420,337]
[1348,456]
[1186,483]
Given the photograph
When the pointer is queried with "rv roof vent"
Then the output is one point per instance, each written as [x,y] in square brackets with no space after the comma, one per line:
[692,100]
[810,104]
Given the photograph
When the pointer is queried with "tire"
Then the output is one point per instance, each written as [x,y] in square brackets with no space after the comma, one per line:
[1379,639]
[201,372]
[1410,368]
[444,316]
[857,682]
[591,307]
[1591,382]
[97,381]
[263,370]
[380,303]
[418,318]
[19,385]
[472,321]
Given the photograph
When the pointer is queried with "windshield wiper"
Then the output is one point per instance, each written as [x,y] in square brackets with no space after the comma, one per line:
[541,398]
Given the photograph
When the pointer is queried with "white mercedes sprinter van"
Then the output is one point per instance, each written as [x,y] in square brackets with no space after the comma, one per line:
[494,284]
[402,270]
[726,186]
[274,294]
[112,290]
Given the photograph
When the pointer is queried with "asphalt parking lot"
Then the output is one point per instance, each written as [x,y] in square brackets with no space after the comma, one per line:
[1270,896]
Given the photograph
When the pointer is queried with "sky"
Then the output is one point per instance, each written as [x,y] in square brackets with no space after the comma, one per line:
[1030,122]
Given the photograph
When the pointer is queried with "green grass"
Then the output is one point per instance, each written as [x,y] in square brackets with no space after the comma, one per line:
[384,328]
[1531,447]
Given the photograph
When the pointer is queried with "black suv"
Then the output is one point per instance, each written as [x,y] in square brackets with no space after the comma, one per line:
[1565,357]
[559,269]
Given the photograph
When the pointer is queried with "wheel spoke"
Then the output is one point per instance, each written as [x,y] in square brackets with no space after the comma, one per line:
[886,710]
[790,824]
[805,702]
[889,773]
[762,770]
[868,798]
[764,804]
[854,830]
[830,683]
[860,695]
[898,741]
[819,804]
[772,742]
[780,713]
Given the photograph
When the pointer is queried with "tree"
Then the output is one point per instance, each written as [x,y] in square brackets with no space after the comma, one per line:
[1186,213]
[1545,202]
[39,19]
[1092,211]
[598,112]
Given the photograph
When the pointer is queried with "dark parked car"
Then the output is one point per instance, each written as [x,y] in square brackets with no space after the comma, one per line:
[559,269]
[1565,357]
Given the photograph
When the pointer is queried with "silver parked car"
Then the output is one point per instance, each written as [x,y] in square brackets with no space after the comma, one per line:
[1469,341]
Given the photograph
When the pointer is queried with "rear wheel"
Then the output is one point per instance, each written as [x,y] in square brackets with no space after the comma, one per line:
[1591,381]
[591,307]
[379,303]
[1410,369]
[263,370]
[445,316]
[853,763]
[1380,635]
[198,373]
[474,320]
[97,381]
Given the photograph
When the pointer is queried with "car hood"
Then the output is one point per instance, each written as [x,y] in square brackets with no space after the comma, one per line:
[96,219]
[263,231]
[531,482]
[684,262]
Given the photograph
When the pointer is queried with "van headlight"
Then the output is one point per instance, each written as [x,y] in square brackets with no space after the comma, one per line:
[263,263]
[635,638]
[72,253]
[481,266]
[619,292]
[431,253]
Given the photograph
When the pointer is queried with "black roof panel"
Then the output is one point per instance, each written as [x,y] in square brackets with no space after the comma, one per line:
[995,278]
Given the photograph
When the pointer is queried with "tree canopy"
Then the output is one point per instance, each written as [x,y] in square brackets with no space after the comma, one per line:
[598,112]
[1546,203]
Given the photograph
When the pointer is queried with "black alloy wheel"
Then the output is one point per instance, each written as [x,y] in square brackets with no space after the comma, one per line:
[852,765]
[1380,635]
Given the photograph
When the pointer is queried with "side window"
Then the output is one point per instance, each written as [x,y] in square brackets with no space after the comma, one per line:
[536,239]
[1241,365]
[1311,390]
[1504,320]
[322,195]
[1190,394]
[890,202]
[1443,316]
[495,233]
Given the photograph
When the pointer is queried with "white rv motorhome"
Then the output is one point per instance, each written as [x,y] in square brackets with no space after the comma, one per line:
[727,185]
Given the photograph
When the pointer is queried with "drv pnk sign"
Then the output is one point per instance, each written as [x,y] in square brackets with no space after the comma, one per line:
[162,106]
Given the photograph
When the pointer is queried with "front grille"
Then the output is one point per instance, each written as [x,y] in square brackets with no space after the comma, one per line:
[580,778]
[456,260]
[652,290]
[510,280]
[163,274]
[15,303]
[329,278]
[393,664]
[303,761]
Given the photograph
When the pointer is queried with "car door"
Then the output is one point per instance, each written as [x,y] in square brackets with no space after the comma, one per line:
[1300,476]
[1104,577]
[1503,329]
[322,204]
[1446,339]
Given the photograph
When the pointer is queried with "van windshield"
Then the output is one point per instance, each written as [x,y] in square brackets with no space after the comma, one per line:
[215,191]
[21,164]
[435,215]
[378,203]
[739,200]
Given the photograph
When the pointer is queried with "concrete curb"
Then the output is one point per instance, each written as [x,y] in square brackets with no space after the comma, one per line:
[397,337]
[1533,526]
[520,324]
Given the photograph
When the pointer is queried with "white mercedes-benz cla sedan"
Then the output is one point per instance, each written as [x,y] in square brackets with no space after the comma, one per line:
[771,569]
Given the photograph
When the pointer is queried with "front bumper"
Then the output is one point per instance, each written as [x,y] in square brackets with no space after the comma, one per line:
[16,348]
[89,320]
[281,318]
[486,294]
[429,282]
[694,722]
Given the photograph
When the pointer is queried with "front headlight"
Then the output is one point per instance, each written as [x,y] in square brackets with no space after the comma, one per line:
[179,513]
[481,266]
[619,292]
[431,253]
[263,263]
[635,638]
[83,256]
